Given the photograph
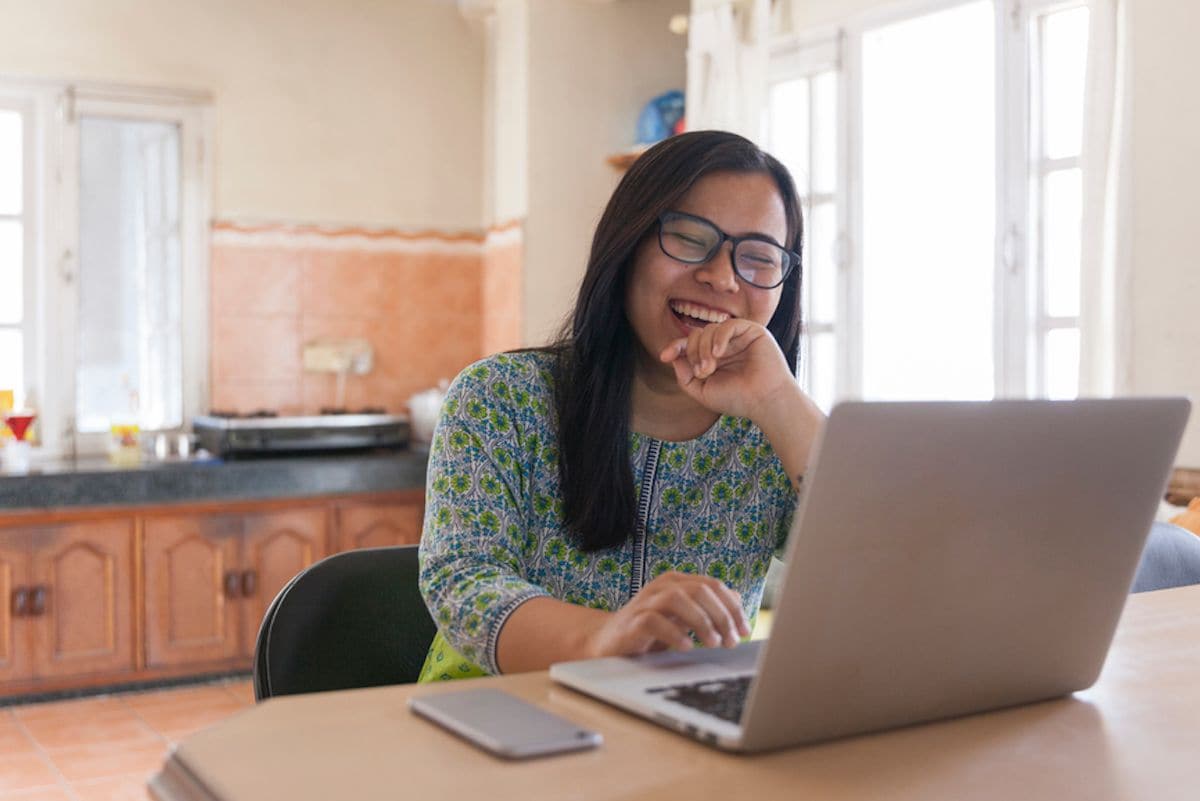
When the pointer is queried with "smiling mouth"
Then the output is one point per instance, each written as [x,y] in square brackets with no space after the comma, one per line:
[696,316]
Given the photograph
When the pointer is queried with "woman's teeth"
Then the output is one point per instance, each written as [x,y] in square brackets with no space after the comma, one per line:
[698,312]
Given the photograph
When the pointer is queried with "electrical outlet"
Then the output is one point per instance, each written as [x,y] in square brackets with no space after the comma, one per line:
[338,356]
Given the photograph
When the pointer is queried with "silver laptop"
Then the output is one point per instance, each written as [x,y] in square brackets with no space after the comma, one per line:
[946,558]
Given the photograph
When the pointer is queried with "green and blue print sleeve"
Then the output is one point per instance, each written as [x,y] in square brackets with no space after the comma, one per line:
[471,569]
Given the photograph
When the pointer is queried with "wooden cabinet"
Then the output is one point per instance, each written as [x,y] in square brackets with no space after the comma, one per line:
[96,597]
[69,592]
[276,547]
[377,525]
[190,617]
[210,578]
[15,658]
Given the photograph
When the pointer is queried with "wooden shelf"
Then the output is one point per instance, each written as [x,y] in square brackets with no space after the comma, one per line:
[1184,485]
[623,161]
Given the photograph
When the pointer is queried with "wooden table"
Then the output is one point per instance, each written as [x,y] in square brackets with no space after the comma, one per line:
[1135,735]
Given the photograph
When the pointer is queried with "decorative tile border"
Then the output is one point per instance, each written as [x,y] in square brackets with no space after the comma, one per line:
[345,238]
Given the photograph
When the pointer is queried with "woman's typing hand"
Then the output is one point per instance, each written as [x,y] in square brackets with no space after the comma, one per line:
[665,613]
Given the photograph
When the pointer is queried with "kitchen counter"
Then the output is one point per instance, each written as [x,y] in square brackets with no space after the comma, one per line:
[97,482]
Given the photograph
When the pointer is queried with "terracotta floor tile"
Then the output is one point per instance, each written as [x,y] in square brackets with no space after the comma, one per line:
[25,772]
[172,722]
[40,794]
[114,725]
[179,698]
[74,707]
[242,691]
[122,788]
[105,760]
[13,739]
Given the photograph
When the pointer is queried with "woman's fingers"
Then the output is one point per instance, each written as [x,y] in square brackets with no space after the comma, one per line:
[663,629]
[677,602]
[724,627]
[674,350]
[700,351]
[703,605]
[724,336]
[666,613]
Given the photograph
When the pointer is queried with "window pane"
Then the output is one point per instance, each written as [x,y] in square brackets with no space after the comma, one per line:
[822,370]
[1064,64]
[129,274]
[1061,229]
[824,112]
[12,272]
[821,269]
[929,206]
[1062,363]
[12,161]
[789,129]
[12,364]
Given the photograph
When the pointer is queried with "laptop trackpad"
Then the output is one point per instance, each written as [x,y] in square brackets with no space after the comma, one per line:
[742,659]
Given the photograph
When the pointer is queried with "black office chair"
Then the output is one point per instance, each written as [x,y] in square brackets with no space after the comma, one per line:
[354,619]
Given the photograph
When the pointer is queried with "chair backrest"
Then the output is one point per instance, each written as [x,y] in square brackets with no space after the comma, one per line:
[354,619]
[1171,559]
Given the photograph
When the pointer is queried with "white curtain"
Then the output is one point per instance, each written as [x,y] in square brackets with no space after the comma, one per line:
[728,46]
[1105,307]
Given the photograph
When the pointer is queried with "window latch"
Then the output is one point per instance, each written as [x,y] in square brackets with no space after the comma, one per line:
[1010,250]
[66,266]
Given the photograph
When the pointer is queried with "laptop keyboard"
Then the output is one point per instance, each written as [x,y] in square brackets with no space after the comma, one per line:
[723,698]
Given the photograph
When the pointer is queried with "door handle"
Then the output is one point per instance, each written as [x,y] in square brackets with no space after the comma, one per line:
[20,602]
[233,584]
[249,583]
[38,599]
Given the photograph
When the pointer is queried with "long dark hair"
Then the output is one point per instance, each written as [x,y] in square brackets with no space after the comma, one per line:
[593,369]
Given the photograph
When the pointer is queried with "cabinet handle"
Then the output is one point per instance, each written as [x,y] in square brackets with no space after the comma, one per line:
[41,594]
[233,584]
[249,583]
[20,602]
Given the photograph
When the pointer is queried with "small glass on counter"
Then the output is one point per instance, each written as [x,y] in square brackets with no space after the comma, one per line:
[124,444]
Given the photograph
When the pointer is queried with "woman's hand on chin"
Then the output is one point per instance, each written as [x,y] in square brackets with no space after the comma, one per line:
[733,368]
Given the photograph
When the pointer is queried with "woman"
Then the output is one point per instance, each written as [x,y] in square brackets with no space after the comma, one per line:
[623,490]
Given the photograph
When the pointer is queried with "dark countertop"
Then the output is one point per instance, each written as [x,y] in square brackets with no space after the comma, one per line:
[96,482]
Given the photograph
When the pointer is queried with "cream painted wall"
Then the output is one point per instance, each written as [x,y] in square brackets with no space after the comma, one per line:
[356,111]
[592,66]
[506,114]
[1166,174]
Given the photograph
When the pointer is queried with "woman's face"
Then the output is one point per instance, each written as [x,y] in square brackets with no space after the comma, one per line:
[667,299]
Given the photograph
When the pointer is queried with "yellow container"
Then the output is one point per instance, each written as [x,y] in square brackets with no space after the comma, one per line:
[124,447]
[6,404]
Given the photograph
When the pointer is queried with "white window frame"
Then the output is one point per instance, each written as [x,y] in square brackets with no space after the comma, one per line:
[30,218]
[1020,322]
[1024,72]
[805,56]
[52,293]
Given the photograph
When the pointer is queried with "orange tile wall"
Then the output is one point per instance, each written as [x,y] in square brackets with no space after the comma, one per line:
[429,304]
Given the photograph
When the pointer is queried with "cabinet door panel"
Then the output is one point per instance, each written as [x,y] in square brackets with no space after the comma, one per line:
[15,642]
[86,572]
[275,548]
[189,617]
[379,525]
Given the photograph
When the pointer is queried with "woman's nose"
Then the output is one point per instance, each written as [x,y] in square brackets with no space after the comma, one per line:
[718,271]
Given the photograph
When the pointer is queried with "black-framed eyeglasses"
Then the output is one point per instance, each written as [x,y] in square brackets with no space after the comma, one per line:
[694,240]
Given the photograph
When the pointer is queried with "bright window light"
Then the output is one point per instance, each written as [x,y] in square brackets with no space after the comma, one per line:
[929,163]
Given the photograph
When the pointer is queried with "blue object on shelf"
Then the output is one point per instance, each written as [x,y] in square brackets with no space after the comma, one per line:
[658,117]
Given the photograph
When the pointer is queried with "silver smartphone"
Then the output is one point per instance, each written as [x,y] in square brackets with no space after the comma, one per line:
[503,724]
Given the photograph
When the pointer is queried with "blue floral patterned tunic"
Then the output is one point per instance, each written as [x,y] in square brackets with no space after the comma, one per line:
[719,505]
